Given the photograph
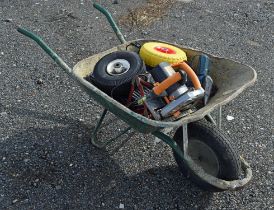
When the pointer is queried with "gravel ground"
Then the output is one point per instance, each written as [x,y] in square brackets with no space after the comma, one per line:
[46,161]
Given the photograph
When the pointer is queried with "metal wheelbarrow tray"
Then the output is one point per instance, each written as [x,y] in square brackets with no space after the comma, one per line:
[230,77]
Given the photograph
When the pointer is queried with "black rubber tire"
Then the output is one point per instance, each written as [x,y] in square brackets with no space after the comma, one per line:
[121,83]
[215,139]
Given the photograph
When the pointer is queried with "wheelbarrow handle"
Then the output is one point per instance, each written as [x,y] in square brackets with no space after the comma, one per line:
[111,21]
[46,48]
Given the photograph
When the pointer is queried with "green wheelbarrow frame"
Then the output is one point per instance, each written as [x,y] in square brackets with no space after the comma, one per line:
[230,77]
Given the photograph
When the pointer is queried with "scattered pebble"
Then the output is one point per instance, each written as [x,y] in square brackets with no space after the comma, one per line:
[185,1]
[121,206]
[209,11]
[70,164]
[157,140]
[39,82]
[229,118]
[253,43]
[15,201]
[2,53]
[3,114]
[26,160]
[58,187]
[7,20]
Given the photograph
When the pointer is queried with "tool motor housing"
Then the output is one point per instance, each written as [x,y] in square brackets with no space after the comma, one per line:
[162,72]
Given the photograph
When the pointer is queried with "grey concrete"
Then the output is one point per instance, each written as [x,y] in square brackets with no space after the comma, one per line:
[46,161]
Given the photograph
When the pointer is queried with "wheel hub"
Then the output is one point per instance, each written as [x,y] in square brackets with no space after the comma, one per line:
[204,156]
[118,67]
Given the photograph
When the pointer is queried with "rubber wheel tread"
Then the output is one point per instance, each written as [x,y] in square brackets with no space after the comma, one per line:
[107,82]
[228,157]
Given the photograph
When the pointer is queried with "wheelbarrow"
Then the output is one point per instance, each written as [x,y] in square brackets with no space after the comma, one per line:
[201,149]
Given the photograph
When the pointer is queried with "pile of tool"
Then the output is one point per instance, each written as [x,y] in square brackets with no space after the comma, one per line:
[156,81]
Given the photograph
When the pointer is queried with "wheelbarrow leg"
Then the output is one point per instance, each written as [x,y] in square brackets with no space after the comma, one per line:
[185,138]
[94,139]
[210,119]
[219,117]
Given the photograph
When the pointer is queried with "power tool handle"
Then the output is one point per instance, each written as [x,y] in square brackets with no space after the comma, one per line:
[189,71]
[160,88]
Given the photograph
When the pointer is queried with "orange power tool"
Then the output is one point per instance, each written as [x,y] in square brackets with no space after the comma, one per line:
[171,84]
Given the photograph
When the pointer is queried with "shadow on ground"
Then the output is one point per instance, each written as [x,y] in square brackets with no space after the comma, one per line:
[56,167]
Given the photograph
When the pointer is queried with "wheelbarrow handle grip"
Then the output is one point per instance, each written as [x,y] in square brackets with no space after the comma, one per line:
[111,21]
[46,48]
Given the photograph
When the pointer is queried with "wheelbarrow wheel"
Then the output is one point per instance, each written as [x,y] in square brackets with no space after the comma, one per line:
[211,149]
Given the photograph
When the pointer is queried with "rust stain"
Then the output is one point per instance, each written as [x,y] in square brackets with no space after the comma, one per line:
[146,14]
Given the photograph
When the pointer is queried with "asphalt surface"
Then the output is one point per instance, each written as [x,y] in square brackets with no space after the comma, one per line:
[46,160]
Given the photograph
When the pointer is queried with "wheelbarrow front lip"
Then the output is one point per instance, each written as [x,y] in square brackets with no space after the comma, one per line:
[199,114]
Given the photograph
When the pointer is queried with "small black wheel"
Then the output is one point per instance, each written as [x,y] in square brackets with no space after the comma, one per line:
[116,70]
[211,149]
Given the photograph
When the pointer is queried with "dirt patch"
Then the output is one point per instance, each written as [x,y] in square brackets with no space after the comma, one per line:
[146,14]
